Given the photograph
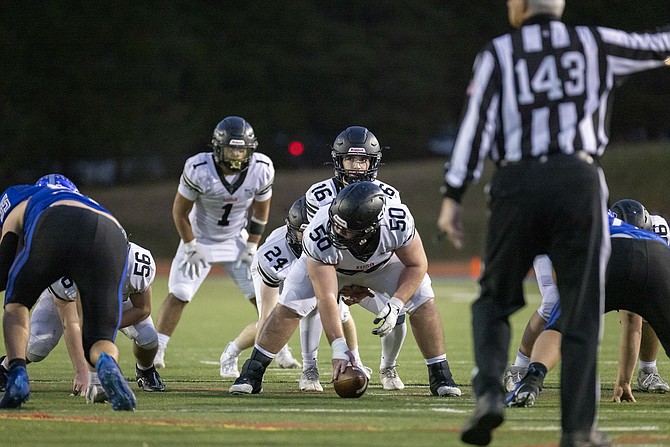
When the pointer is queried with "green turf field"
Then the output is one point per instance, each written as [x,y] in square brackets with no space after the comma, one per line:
[197,409]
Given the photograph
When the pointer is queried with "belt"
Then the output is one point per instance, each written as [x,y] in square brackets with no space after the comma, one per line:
[370,270]
[581,155]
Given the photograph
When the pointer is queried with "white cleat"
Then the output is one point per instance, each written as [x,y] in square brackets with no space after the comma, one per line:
[240,388]
[389,378]
[95,393]
[448,391]
[309,380]
[651,382]
[228,366]
[284,359]
[512,375]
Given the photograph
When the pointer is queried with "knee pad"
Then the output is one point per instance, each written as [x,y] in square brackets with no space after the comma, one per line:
[39,348]
[144,335]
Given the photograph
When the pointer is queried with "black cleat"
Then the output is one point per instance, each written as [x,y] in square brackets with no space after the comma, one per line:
[250,380]
[526,390]
[441,382]
[149,380]
[4,373]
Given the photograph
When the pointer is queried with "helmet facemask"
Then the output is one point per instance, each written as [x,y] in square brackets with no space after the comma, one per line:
[346,239]
[296,221]
[233,143]
[228,156]
[356,141]
[347,176]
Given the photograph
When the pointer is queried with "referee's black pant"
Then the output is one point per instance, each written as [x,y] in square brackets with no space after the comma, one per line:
[639,281]
[555,205]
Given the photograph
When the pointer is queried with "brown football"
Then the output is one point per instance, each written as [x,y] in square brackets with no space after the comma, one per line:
[351,383]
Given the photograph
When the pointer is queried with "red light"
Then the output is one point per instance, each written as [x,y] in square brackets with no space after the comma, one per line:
[296,148]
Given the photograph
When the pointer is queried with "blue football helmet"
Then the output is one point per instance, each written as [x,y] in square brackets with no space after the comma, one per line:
[57,180]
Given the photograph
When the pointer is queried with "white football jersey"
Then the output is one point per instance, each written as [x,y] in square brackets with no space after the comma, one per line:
[140,273]
[396,230]
[221,208]
[275,258]
[660,226]
[324,192]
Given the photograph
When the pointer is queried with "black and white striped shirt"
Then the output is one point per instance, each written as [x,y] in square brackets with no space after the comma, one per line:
[545,89]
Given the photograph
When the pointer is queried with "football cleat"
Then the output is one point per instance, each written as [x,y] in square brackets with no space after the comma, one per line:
[17,389]
[650,381]
[309,380]
[4,372]
[513,374]
[251,379]
[525,391]
[115,385]
[389,378]
[284,359]
[95,394]
[149,380]
[159,359]
[228,369]
[441,382]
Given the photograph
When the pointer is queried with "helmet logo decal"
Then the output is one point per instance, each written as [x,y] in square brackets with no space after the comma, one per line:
[357,150]
[339,221]
[234,142]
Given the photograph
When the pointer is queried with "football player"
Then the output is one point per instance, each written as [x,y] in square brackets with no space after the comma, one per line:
[55,315]
[357,240]
[356,156]
[627,276]
[50,231]
[219,193]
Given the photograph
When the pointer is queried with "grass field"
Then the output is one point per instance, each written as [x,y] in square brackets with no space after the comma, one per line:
[197,409]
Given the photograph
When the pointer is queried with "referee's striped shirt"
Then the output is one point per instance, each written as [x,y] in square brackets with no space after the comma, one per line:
[545,89]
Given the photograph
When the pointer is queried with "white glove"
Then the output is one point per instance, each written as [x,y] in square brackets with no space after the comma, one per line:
[247,254]
[194,260]
[388,317]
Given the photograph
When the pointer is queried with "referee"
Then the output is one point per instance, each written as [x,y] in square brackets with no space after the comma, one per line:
[538,107]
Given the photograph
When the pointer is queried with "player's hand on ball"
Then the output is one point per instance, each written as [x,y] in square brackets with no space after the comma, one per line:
[388,317]
[353,294]
[351,383]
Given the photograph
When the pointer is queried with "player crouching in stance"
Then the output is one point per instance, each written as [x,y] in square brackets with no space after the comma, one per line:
[52,231]
[55,315]
[356,240]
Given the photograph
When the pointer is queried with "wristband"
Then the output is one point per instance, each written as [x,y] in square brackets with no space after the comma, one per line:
[340,348]
[257,226]
[397,301]
[190,247]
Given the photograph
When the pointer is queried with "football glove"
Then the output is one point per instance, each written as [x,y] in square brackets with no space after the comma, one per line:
[388,317]
[194,260]
[247,254]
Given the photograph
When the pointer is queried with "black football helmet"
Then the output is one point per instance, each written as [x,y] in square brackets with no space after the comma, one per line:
[296,221]
[356,140]
[354,215]
[632,212]
[235,133]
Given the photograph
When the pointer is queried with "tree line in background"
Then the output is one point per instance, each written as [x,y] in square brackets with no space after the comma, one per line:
[127,90]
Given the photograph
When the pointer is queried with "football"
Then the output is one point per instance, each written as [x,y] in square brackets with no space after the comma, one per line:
[351,383]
